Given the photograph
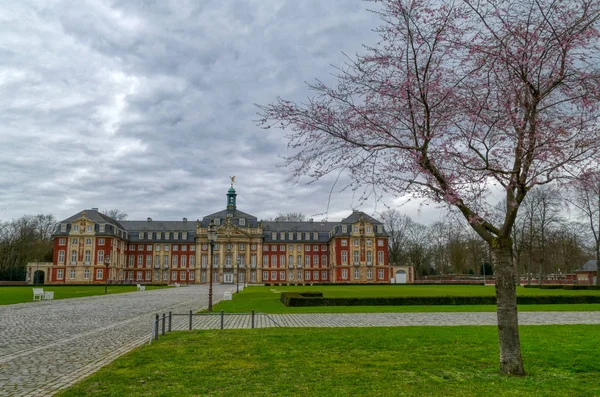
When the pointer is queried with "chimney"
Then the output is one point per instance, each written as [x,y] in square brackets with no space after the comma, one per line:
[149,219]
[185,219]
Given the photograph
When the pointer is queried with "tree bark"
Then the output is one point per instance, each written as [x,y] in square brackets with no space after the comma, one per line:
[511,362]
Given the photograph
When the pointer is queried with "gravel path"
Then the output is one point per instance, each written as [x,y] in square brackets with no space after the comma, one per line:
[47,346]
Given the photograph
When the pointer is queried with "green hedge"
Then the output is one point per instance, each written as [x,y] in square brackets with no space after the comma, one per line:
[296,299]
[566,286]
[593,287]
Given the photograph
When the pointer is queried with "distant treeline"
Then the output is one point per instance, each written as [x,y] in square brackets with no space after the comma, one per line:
[27,239]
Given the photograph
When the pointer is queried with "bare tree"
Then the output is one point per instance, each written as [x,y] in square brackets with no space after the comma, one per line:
[115,214]
[586,199]
[290,217]
[458,97]
[398,227]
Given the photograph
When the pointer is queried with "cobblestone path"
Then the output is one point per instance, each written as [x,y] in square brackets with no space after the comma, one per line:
[240,321]
[49,345]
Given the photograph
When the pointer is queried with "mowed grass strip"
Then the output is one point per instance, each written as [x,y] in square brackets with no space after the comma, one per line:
[11,295]
[402,361]
[266,299]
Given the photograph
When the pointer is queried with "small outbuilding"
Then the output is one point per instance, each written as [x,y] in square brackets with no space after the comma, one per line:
[587,273]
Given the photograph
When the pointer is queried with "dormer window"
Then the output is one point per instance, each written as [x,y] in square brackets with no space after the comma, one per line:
[75,228]
[90,228]
[141,236]
[242,222]
[184,236]
[217,221]
[63,227]
[274,236]
[101,228]
[344,229]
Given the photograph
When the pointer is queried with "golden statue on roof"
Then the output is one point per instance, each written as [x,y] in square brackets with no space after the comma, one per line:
[232,180]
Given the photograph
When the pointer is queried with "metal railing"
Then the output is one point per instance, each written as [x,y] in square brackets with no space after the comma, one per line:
[189,321]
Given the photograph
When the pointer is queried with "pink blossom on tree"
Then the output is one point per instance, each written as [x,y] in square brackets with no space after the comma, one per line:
[456,99]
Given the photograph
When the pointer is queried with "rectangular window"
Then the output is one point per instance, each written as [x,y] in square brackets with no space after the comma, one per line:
[61,241]
[157,261]
[291,276]
[167,235]
[315,260]
[273,236]
[273,275]
[139,276]
[344,257]
[99,274]
[184,237]
[323,276]
[100,241]
[217,221]
[299,275]
[165,276]
[265,261]
[141,236]
[140,260]
[315,247]
[282,276]
[253,260]
[344,243]
[174,261]
[183,261]
[307,276]
[380,243]
[242,222]
[265,248]
[75,228]
[282,248]
[173,276]
[176,236]
[316,237]
[166,261]
[157,247]
[88,256]
[140,248]
[265,276]
[369,243]
[182,276]
[148,276]
[63,228]
[148,248]
[73,256]
[86,274]
[298,261]
[355,229]
[380,274]
[315,276]
[344,229]
[356,274]
[307,261]
[61,256]
[148,260]
[74,241]
[356,242]
[166,247]
[192,260]
[131,260]
[282,260]
[291,261]
[368,229]
[59,274]
[344,274]
[369,274]
[184,247]
[307,247]
[192,248]
[324,260]
[380,257]
[192,276]
[323,248]
[273,260]
[156,275]
[355,258]
[175,248]
[72,274]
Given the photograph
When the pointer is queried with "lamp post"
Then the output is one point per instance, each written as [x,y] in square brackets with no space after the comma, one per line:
[107,264]
[212,238]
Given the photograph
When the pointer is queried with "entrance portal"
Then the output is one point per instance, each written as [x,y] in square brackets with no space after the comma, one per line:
[228,278]
[38,277]
[400,277]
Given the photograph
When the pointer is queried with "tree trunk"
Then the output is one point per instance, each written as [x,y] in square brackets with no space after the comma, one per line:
[511,362]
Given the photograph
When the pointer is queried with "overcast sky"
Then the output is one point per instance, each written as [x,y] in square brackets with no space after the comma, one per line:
[148,106]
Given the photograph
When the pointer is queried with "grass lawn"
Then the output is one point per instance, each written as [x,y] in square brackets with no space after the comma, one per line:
[401,361]
[10,295]
[266,299]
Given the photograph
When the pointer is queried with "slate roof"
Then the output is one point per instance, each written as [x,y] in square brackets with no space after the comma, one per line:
[251,220]
[356,215]
[94,216]
[159,226]
[589,266]
[274,226]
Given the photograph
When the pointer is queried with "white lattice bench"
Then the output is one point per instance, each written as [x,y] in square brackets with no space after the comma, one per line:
[38,294]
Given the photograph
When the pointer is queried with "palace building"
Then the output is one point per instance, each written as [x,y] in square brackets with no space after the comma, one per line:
[92,248]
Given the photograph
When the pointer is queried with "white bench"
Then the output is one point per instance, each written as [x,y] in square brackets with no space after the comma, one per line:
[141,287]
[38,294]
[49,295]
[227,296]
[177,285]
